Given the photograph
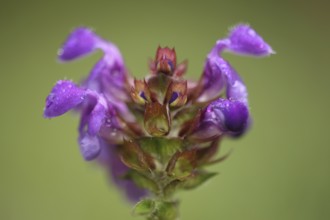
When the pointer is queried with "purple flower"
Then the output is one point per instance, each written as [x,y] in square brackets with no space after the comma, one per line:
[96,110]
[218,73]
[109,73]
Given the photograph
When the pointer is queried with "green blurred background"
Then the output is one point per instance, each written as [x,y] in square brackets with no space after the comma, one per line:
[280,170]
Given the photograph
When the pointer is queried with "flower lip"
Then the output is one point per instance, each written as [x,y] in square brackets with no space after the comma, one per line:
[64,96]
[230,116]
[245,40]
[80,42]
[89,147]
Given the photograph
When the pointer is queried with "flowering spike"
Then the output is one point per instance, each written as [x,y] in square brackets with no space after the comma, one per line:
[156,135]
[64,96]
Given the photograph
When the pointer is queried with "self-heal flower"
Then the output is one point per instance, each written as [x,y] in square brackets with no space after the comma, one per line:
[156,135]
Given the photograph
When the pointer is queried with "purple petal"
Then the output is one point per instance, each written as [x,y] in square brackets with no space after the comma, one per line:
[64,96]
[80,42]
[213,80]
[96,118]
[230,116]
[108,76]
[89,147]
[245,40]
[219,73]
[236,89]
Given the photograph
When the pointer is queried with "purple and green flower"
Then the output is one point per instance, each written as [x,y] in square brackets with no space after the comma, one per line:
[158,134]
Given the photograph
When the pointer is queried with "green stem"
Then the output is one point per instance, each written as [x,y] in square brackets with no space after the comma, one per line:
[166,208]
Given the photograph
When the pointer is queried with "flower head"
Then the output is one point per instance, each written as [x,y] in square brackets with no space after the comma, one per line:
[155,134]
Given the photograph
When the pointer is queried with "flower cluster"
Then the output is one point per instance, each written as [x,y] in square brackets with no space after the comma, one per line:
[157,134]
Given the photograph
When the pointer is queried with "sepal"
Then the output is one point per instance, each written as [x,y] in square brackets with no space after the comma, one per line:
[156,119]
[134,157]
[142,181]
[144,207]
[176,95]
[182,164]
[161,148]
[140,93]
[197,179]
[166,210]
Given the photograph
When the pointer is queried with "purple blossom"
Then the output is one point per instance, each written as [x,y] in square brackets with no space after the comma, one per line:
[96,110]
[109,73]
[218,73]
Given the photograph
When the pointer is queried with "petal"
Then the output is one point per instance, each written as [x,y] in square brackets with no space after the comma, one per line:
[108,76]
[103,113]
[230,116]
[80,42]
[97,119]
[245,40]
[212,81]
[89,146]
[218,74]
[235,88]
[64,96]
